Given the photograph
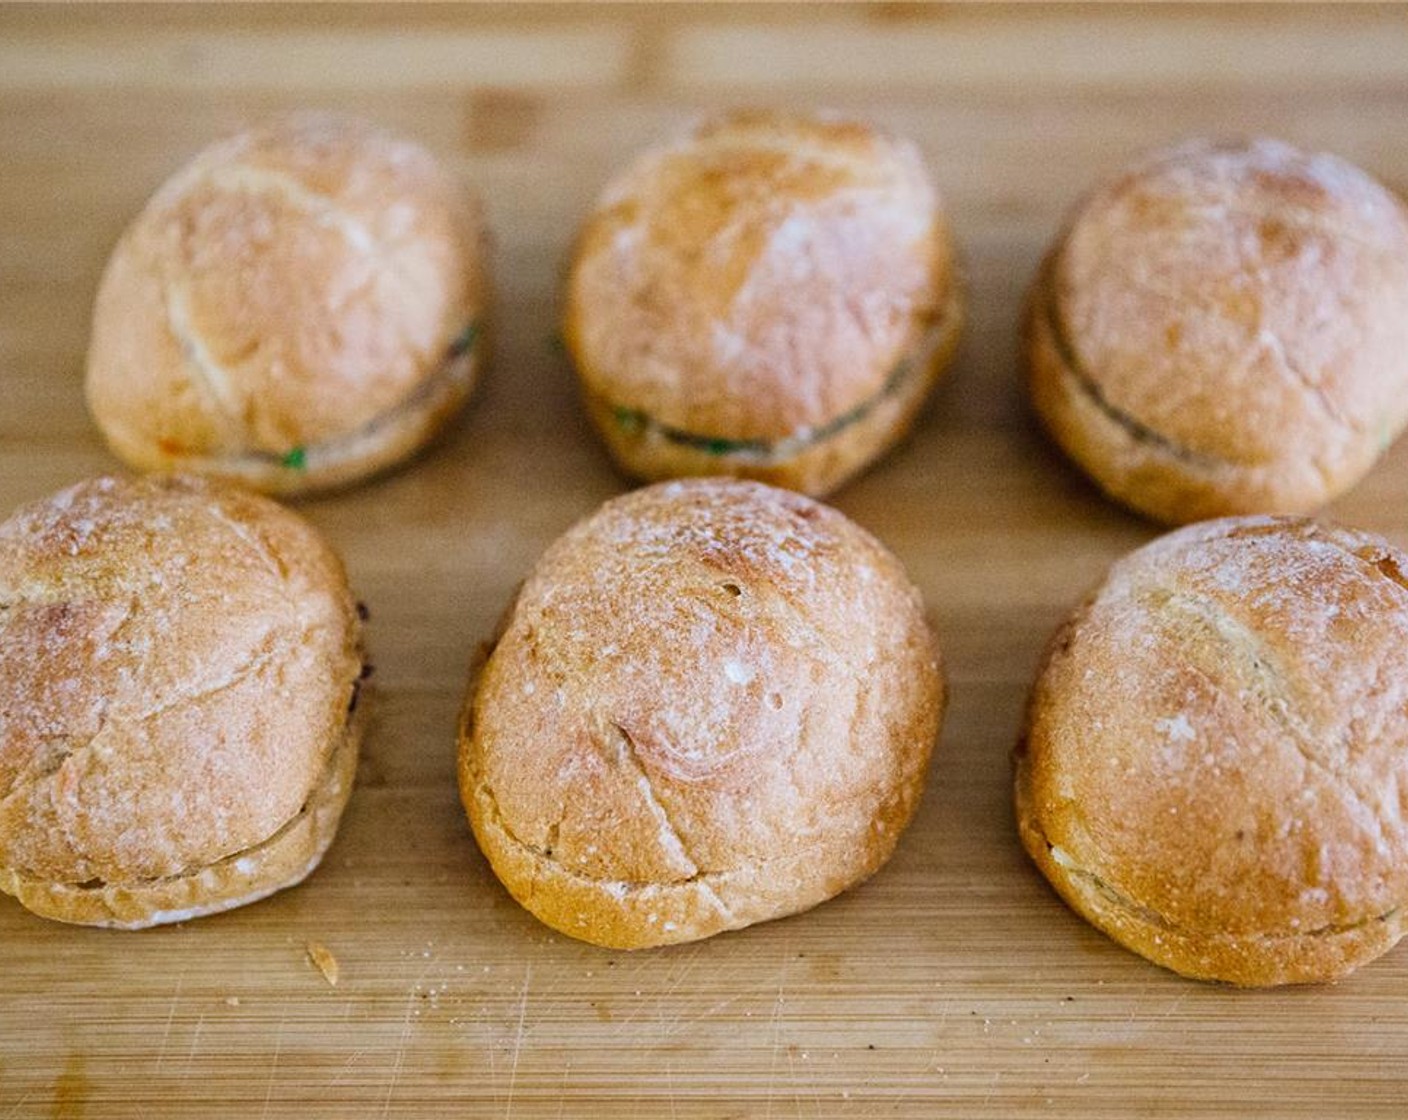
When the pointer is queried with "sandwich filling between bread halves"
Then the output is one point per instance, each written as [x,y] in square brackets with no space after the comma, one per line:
[1086,385]
[452,376]
[636,423]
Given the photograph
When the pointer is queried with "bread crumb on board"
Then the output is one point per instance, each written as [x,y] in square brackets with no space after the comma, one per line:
[324,962]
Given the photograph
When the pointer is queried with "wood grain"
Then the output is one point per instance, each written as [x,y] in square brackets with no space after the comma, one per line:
[954,983]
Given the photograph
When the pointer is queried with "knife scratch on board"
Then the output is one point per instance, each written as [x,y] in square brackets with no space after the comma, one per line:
[518,1038]
[191,1053]
[274,1065]
[776,1020]
[170,1016]
[19,1104]
[336,1078]
[401,1043]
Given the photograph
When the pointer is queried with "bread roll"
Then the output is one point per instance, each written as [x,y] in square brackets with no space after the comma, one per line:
[1223,329]
[300,306]
[1216,754]
[711,704]
[769,296]
[179,665]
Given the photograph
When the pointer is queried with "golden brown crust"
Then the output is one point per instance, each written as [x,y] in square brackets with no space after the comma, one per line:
[1220,331]
[813,464]
[759,278]
[646,758]
[282,860]
[286,309]
[177,664]
[1215,748]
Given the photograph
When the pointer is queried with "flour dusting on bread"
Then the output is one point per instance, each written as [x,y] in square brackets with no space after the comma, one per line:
[713,703]
[1220,330]
[1216,758]
[178,665]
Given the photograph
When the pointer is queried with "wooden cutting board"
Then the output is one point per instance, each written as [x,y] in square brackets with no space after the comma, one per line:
[952,984]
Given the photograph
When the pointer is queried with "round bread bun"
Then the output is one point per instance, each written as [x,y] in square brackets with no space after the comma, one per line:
[711,704]
[1224,329]
[300,306]
[770,296]
[1216,752]
[179,664]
